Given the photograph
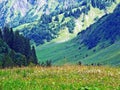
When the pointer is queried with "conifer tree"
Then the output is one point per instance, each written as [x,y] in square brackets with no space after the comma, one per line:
[6,34]
[34,55]
[56,18]
[11,38]
[17,43]
[1,34]
[27,50]
[20,52]
[7,61]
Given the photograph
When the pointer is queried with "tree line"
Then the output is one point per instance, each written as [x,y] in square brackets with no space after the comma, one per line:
[17,49]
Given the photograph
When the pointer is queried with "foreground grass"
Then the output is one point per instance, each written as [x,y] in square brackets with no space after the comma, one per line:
[60,78]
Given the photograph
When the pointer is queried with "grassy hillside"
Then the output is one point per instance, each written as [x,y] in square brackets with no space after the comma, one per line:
[60,78]
[99,43]
[71,52]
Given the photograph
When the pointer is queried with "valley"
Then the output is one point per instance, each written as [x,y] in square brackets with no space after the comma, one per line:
[100,46]
[59,44]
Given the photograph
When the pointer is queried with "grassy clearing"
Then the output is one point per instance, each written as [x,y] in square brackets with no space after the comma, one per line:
[26,25]
[60,78]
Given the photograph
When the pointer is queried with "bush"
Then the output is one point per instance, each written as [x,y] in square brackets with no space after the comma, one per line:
[48,63]
[80,63]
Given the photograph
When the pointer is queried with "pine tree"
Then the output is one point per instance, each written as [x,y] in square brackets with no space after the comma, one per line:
[56,18]
[24,61]
[34,55]
[11,38]
[7,61]
[31,60]
[12,55]
[77,13]
[1,36]
[27,50]
[21,53]
[16,42]
[6,34]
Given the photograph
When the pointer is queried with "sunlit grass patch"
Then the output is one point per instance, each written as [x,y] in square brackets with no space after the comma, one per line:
[60,78]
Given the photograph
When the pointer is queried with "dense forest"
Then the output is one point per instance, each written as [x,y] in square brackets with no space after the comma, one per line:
[15,49]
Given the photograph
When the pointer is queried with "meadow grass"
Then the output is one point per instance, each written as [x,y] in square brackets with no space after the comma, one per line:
[69,53]
[60,78]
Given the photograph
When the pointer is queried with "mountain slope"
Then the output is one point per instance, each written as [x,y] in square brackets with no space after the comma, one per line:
[74,19]
[85,47]
[107,28]
[27,15]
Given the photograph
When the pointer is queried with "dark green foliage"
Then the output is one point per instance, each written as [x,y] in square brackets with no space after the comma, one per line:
[69,13]
[7,61]
[98,64]
[77,13]
[71,25]
[17,42]
[12,55]
[86,10]
[56,18]
[94,50]
[6,34]
[27,50]
[46,19]
[102,4]
[80,63]
[3,47]
[42,64]
[47,31]
[11,38]
[15,50]
[42,33]
[66,14]
[20,60]
[1,34]
[79,48]
[63,19]
[33,54]
[48,63]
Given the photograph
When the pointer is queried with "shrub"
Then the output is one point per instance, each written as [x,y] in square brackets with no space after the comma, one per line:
[48,63]
[80,63]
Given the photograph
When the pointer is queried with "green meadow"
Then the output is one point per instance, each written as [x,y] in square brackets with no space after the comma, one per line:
[60,78]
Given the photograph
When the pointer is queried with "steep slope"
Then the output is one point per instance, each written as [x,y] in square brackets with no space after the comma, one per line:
[72,19]
[27,15]
[17,12]
[106,29]
[99,43]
